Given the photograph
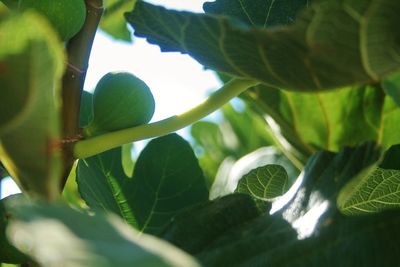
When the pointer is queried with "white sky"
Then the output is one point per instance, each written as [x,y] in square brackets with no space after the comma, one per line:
[178,82]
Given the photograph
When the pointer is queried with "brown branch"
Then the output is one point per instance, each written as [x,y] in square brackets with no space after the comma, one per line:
[78,50]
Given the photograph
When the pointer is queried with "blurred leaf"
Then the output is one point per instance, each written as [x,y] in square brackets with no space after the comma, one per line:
[86,109]
[195,228]
[8,253]
[391,85]
[55,235]
[259,13]
[31,67]
[265,183]
[374,193]
[113,21]
[332,44]
[166,180]
[9,3]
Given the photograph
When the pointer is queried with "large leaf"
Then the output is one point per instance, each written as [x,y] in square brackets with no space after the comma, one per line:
[329,120]
[194,229]
[313,232]
[113,21]
[166,180]
[265,183]
[376,192]
[55,235]
[259,13]
[391,85]
[31,67]
[331,44]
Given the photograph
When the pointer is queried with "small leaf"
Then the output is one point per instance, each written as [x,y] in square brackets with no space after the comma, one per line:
[113,21]
[265,183]
[332,44]
[56,235]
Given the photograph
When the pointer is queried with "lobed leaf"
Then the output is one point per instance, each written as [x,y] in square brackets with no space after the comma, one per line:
[332,44]
[265,183]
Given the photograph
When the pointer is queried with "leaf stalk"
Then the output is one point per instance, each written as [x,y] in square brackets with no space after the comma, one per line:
[101,143]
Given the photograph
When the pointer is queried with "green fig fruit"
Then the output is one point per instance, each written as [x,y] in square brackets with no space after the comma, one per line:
[120,101]
[66,16]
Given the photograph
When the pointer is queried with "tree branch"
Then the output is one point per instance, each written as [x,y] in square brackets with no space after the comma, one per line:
[98,144]
[78,49]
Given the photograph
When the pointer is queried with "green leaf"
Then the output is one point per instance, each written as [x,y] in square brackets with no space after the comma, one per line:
[194,229]
[8,253]
[332,44]
[372,193]
[113,21]
[258,13]
[31,67]
[265,183]
[391,85]
[86,109]
[309,228]
[166,180]
[56,235]
[328,120]
[103,185]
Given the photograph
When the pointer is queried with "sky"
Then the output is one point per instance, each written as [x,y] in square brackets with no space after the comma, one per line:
[177,82]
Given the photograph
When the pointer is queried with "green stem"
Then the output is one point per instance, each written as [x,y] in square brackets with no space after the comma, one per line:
[98,144]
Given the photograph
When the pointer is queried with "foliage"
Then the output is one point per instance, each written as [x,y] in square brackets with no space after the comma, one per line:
[304,171]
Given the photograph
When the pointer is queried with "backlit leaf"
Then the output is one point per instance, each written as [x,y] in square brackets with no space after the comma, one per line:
[332,44]
[31,67]
[265,183]
[56,235]
[377,191]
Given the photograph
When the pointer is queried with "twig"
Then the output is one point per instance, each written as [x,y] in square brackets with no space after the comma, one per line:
[78,49]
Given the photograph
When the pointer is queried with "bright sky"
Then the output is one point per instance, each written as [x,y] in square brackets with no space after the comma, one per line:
[178,82]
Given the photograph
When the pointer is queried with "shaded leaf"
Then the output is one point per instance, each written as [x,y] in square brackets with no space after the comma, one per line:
[86,109]
[55,235]
[259,13]
[197,227]
[391,85]
[375,192]
[265,183]
[8,253]
[113,21]
[31,67]
[332,44]
[166,180]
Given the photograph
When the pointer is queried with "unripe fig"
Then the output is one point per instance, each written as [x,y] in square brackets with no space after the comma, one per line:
[66,16]
[120,101]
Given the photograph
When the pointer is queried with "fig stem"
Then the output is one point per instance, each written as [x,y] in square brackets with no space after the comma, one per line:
[78,50]
[95,145]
